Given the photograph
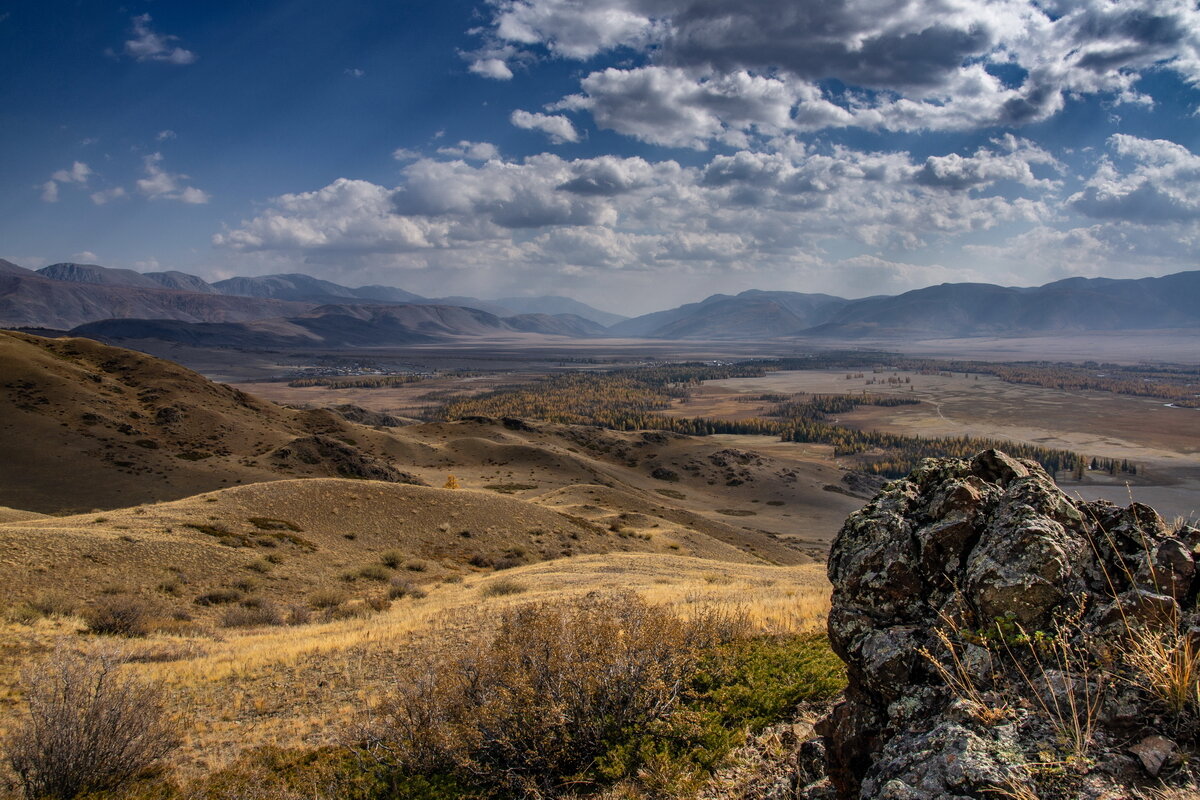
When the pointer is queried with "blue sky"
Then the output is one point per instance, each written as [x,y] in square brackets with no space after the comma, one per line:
[631,153]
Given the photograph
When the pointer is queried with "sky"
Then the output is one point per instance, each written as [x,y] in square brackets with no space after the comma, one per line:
[633,154]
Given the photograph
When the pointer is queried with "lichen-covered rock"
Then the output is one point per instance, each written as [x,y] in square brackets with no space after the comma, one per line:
[984,618]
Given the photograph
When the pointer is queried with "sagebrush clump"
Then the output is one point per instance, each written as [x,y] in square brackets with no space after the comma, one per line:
[118,615]
[545,696]
[88,728]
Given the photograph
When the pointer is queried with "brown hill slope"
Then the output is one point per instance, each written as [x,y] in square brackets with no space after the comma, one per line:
[98,427]
[775,505]
[90,426]
[284,541]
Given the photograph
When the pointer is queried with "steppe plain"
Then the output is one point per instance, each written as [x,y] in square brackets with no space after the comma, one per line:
[543,512]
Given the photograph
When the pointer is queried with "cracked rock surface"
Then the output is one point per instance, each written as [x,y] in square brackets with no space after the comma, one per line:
[987,623]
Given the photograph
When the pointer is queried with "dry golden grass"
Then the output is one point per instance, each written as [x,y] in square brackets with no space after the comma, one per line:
[284,541]
[297,686]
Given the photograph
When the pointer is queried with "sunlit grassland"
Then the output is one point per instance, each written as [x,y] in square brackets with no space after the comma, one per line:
[298,686]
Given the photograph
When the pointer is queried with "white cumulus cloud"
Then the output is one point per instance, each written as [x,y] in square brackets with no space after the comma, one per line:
[148,45]
[1153,181]
[108,195]
[727,68]
[748,212]
[472,151]
[159,184]
[77,173]
[493,68]
[556,126]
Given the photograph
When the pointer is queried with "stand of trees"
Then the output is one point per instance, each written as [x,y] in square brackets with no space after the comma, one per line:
[359,381]
[1178,384]
[630,399]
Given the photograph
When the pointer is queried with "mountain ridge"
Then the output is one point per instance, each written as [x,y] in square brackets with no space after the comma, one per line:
[71,295]
[18,309]
[945,310]
[342,326]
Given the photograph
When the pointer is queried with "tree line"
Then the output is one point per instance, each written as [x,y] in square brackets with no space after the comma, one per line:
[631,399]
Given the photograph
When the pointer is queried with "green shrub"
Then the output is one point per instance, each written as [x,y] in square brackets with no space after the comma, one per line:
[273,773]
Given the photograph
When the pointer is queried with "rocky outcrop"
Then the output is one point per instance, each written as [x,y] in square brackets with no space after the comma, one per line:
[996,633]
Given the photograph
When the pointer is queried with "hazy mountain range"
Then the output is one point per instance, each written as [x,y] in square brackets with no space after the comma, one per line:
[299,310]
[947,310]
[67,295]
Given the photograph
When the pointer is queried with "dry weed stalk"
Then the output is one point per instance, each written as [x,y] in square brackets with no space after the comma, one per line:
[1188,792]
[1166,663]
[1162,659]
[1073,711]
[961,682]
[1076,715]
[1014,789]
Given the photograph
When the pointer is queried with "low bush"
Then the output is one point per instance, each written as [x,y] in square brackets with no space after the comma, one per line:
[374,572]
[326,598]
[502,587]
[252,616]
[22,614]
[392,558]
[118,615]
[399,588]
[541,698]
[378,604]
[359,608]
[87,728]
[561,699]
[172,586]
[272,524]
[53,604]
[218,597]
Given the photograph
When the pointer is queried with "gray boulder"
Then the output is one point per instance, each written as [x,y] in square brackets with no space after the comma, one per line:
[987,621]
